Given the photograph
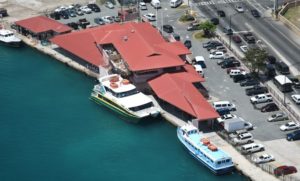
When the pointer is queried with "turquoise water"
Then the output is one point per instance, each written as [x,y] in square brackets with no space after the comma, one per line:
[50,130]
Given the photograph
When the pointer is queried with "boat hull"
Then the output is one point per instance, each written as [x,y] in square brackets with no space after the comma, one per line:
[124,113]
[220,171]
[12,44]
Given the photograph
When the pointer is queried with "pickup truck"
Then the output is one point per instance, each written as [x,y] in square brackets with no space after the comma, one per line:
[261,98]
[256,90]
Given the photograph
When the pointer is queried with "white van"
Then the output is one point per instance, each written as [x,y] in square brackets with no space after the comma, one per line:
[221,105]
[175,3]
[156,4]
[234,72]
[199,69]
[252,147]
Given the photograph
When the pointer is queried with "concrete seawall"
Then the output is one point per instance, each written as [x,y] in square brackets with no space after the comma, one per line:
[49,51]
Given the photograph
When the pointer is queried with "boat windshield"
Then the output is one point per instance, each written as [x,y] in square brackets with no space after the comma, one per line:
[128,93]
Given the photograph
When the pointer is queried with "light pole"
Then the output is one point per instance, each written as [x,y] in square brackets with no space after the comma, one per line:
[230,33]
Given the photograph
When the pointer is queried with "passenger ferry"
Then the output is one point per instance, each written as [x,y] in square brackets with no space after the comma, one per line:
[121,96]
[8,38]
[205,152]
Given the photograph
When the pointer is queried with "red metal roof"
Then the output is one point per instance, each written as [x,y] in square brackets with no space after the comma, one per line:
[180,92]
[40,24]
[139,44]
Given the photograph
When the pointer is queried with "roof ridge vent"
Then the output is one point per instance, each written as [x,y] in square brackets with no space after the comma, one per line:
[132,31]
[125,38]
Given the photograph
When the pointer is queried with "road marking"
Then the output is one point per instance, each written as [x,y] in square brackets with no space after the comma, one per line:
[207,3]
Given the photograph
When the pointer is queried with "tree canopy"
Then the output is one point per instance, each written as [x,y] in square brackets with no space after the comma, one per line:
[255,57]
[208,27]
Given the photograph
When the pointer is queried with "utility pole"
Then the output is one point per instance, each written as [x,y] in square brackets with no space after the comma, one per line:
[275,7]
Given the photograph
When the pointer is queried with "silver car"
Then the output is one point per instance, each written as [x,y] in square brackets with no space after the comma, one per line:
[277,117]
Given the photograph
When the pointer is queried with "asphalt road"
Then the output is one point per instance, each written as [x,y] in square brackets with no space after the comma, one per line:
[280,41]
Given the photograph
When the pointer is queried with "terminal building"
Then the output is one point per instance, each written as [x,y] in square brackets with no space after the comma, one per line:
[138,52]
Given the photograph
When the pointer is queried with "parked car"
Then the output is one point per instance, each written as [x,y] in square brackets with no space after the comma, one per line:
[289,126]
[116,18]
[168,28]
[282,68]
[225,117]
[109,5]
[86,10]
[232,63]
[236,38]
[244,48]
[176,36]
[236,133]
[215,21]
[143,6]
[256,90]
[249,82]
[94,7]
[280,116]
[211,44]
[107,19]
[255,13]
[221,13]
[79,12]
[239,8]
[234,68]
[150,17]
[193,26]
[216,55]
[261,98]
[224,105]
[99,21]
[248,125]
[218,48]
[295,81]
[200,61]
[269,107]
[263,158]
[241,77]
[233,72]
[296,98]
[248,37]
[295,135]
[243,138]
[271,59]
[73,25]
[228,31]
[251,148]
[284,170]
[188,44]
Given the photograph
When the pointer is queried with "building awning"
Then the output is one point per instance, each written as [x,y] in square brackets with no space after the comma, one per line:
[181,93]
[41,24]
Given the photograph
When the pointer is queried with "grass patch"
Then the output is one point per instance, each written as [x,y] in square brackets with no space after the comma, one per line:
[293,15]
[186,18]
[199,35]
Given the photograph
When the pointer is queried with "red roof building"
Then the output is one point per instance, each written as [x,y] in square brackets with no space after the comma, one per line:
[181,93]
[40,24]
[139,44]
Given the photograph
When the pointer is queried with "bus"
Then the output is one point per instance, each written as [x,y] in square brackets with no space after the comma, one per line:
[283,83]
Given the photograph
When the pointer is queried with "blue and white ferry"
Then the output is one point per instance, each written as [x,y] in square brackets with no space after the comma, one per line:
[205,152]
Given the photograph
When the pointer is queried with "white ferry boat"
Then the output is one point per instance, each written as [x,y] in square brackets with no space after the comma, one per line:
[121,96]
[8,37]
[205,152]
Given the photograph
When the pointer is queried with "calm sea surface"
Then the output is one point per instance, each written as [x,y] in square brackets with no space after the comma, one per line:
[50,130]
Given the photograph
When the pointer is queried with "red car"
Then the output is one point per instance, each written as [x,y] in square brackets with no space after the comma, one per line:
[284,170]
[236,39]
